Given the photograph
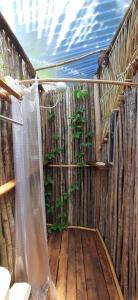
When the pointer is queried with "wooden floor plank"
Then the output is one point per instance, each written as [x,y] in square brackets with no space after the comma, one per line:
[54,252]
[80,267]
[80,272]
[89,271]
[71,273]
[54,244]
[62,270]
[102,291]
[112,290]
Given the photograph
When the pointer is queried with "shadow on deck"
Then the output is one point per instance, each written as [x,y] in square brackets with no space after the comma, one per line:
[80,267]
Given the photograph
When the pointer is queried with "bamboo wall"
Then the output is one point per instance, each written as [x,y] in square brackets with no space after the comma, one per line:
[118,210]
[123,62]
[13,62]
[80,201]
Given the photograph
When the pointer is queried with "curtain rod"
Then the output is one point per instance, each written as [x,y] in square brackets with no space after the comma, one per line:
[10,120]
[69,60]
[80,80]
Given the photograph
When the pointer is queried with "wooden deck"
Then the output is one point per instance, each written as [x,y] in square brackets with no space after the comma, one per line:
[80,268]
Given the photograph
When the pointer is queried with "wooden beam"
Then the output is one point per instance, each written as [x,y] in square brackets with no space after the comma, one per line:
[81,80]
[9,90]
[100,165]
[5,96]
[5,188]
[97,121]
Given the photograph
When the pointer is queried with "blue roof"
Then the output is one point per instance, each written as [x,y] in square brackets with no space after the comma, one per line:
[51,31]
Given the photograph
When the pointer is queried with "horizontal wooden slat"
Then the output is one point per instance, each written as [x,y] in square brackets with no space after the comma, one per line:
[8,89]
[5,188]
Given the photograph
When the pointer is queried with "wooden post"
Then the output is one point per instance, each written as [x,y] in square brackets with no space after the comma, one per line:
[98,134]
[97,121]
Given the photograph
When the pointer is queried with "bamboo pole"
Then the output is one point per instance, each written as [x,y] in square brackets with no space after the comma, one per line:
[80,80]
[10,120]
[98,122]
[5,188]
[10,91]
[110,264]
[5,96]
[99,164]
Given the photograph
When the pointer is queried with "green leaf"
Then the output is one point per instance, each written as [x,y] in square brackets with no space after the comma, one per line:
[58,150]
[51,115]
[84,93]
[81,164]
[48,195]
[49,181]
[80,110]
[90,134]
[50,209]
[59,203]
[85,145]
[55,137]
[77,135]
[66,196]
[73,188]
[80,155]
[79,94]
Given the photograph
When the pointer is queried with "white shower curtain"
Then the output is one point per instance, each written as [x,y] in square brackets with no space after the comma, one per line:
[31,256]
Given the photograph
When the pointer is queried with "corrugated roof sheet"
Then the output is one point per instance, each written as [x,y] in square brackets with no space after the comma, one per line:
[52,31]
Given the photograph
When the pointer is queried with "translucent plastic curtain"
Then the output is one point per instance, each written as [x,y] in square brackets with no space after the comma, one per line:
[31,256]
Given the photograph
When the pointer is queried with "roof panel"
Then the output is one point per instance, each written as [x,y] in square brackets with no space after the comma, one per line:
[52,31]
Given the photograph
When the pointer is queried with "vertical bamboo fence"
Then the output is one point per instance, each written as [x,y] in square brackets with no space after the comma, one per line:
[118,205]
[118,209]
[80,201]
[123,62]
[108,198]
[13,62]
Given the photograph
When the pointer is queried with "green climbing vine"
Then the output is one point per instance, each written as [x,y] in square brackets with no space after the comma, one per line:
[53,153]
[57,206]
[77,123]
[51,115]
